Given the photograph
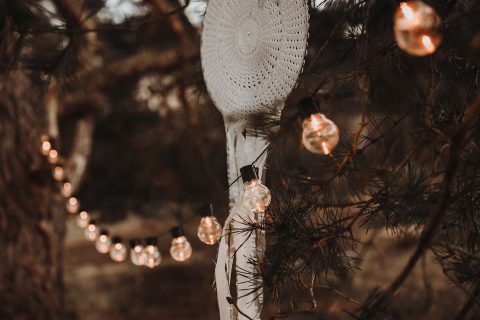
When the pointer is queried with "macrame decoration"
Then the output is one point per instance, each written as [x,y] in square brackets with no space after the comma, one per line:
[252,54]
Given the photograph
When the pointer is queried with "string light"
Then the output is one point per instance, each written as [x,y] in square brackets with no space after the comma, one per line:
[91,231]
[118,250]
[209,231]
[417,28]
[137,253]
[73,205]
[53,156]
[256,197]
[66,189]
[320,135]
[103,242]
[83,219]
[58,173]
[46,146]
[181,250]
[153,258]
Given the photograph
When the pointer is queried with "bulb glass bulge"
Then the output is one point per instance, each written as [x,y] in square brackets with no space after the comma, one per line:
[66,189]
[91,232]
[209,230]
[83,219]
[181,249]
[72,205]
[53,156]
[103,243]
[257,196]
[58,173]
[153,258]
[138,255]
[417,28]
[320,135]
[118,252]
[46,147]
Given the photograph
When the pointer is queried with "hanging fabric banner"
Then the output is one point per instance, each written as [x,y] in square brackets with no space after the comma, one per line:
[252,55]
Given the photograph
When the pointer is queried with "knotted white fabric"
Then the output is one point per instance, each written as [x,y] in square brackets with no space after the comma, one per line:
[252,54]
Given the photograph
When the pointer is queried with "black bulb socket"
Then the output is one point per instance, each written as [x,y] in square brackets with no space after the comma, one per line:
[176,232]
[134,242]
[116,240]
[307,107]
[152,241]
[249,173]
[206,210]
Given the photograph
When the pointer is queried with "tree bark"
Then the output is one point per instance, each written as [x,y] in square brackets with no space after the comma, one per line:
[32,222]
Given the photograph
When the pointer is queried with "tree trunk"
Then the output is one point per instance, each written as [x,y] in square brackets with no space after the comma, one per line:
[32,223]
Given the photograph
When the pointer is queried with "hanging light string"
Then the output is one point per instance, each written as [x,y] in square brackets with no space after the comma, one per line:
[146,252]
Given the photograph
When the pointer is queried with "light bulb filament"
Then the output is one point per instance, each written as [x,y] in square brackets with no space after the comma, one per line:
[427,42]
[325,148]
[407,11]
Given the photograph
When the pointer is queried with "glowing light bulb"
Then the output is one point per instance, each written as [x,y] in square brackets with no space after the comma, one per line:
[118,250]
[181,249]
[73,205]
[66,189]
[58,173]
[46,147]
[137,253]
[256,196]
[153,258]
[417,28]
[83,219]
[103,242]
[320,135]
[209,230]
[53,156]
[91,231]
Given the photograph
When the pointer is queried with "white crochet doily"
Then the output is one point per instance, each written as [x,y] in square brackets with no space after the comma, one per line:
[253,52]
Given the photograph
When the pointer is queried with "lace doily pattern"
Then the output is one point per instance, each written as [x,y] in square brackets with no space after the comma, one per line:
[253,52]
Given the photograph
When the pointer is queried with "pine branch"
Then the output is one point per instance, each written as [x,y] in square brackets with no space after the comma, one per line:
[438,211]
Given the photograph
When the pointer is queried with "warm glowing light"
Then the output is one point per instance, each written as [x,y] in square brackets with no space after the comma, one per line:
[103,243]
[153,258]
[320,135]
[209,231]
[58,173]
[73,205]
[181,249]
[427,42]
[417,28]
[315,122]
[66,190]
[53,156]
[138,255]
[118,251]
[257,197]
[46,147]
[91,232]
[408,12]
[83,219]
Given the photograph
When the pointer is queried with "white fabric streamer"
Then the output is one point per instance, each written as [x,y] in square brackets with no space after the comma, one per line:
[252,54]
